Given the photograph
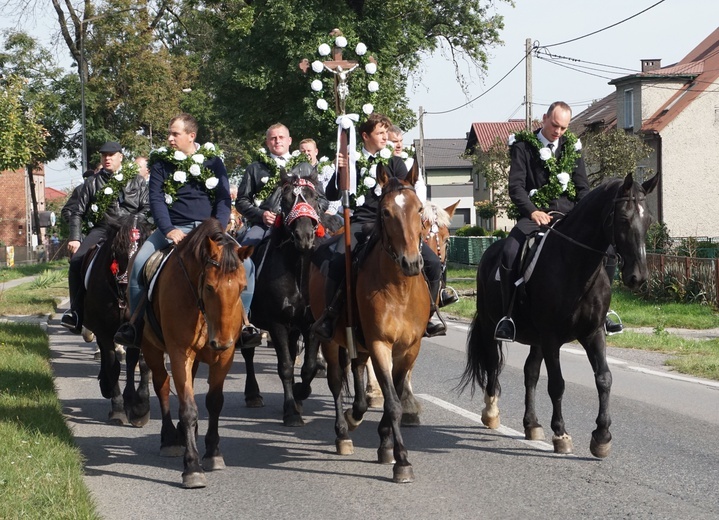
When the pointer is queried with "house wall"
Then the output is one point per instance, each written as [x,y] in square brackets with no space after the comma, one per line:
[690,169]
[446,186]
[13,209]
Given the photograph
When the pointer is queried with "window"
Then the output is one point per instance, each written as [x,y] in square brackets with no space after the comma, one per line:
[629,108]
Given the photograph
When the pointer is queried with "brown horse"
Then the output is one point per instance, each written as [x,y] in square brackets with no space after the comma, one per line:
[391,302]
[435,232]
[195,315]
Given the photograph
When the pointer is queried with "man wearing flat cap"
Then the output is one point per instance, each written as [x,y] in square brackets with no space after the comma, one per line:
[115,191]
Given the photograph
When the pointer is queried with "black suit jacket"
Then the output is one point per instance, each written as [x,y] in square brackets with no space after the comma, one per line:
[527,173]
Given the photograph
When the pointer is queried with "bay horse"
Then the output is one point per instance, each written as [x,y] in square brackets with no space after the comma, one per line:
[281,301]
[106,307]
[566,298]
[391,303]
[435,233]
[195,315]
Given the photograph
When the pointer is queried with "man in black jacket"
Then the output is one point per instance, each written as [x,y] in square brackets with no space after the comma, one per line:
[374,138]
[546,174]
[93,206]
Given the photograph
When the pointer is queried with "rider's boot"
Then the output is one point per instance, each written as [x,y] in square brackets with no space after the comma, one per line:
[71,319]
[448,295]
[505,330]
[435,329]
[611,326]
[324,327]
[129,334]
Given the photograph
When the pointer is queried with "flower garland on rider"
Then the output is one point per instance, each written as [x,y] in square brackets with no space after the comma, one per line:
[109,193]
[270,182]
[188,169]
[560,176]
[368,174]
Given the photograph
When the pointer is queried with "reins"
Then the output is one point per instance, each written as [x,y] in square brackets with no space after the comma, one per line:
[196,291]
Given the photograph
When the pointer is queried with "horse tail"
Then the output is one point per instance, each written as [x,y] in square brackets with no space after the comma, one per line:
[485,359]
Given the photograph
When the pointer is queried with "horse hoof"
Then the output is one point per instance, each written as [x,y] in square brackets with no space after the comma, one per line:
[194,481]
[563,445]
[410,419]
[321,373]
[386,456]
[490,422]
[375,402]
[402,474]
[293,421]
[344,447]
[352,424]
[139,422]
[255,402]
[117,419]
[535,433]
[600,450]
[172,451]
[213,463]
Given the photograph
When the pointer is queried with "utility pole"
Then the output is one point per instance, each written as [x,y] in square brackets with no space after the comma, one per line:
[528,86]
[420,154]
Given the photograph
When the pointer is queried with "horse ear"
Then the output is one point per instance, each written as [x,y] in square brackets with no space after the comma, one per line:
[382,174]
[650,184]
[628,183]
[413,173]
[285,176]
[451,209]
[244,252]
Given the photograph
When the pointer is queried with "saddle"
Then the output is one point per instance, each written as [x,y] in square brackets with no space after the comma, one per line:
[152,268]
[87,262]
[528,257]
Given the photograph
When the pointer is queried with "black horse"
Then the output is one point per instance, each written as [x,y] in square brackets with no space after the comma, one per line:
[280,304]
[106,308]
[566,298]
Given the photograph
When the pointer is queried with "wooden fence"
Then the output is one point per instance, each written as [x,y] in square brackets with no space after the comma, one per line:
[690,278]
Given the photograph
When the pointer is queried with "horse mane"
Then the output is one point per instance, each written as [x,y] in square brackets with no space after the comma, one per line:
[435,215]
[596,197]
[195,244]
[119,235]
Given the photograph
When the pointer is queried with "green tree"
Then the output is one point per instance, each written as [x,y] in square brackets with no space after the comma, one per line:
[21,133]
[493,166]
[614,153]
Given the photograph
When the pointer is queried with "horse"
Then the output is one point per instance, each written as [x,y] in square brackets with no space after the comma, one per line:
[106,308]
[566,297]
[391,303]
[281,303]
[195,315]
[435,233]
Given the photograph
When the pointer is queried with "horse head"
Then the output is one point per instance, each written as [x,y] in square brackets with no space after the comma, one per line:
[213,265]
[299,205]
[400,224]
[435,227]
[131,232]
[631,222]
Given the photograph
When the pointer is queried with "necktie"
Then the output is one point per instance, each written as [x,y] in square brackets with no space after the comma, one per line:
[551,147]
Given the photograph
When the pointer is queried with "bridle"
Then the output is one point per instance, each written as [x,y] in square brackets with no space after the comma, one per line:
[300,206]
[384,239]
[197,291]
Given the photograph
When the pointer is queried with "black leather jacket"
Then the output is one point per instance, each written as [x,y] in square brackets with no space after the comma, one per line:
[133,199]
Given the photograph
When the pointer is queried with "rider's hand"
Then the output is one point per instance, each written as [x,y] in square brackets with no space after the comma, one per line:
[175,236]
[73,246]
[268,218]
[540,218]
[341,161]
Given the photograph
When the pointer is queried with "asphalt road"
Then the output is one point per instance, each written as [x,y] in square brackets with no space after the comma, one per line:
[664,463]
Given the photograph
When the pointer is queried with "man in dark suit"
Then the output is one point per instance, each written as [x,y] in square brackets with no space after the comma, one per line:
[546,174]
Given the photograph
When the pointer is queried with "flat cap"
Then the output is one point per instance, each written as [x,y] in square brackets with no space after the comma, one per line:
[111,147]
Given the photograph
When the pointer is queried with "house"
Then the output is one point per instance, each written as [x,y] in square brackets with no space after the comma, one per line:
[448,176]
[675,109]
[16,212]
[481,137]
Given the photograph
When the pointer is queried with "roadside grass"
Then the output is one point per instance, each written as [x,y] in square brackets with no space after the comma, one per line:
[35,298]
[22,270]
[41,474]
[696,357]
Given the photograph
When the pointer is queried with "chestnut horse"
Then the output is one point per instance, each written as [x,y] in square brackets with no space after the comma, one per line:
[566,298]
[435,232]
[106,308]
[392,305]
[195,315]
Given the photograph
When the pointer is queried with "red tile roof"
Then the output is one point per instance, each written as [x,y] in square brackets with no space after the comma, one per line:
[52,194]
[485,134]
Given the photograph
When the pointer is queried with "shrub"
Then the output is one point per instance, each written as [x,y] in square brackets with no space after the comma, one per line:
[471,231]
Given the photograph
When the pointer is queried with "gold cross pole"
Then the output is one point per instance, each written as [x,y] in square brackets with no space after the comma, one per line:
[341,69]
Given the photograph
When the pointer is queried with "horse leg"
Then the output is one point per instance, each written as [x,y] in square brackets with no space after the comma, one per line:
[391,448]
[337,381]
[410,406]
[561,440]
[303,390]
[193,475]
[215,399]
[291,410]
[171,442]
[489,352]
[110,382]
[136,401]
[374,392]
[595,346]
[253,398]
[355,415]
[532,429]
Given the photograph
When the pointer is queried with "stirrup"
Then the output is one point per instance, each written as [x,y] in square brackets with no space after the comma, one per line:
[610,326]
[501,335]
[452,294]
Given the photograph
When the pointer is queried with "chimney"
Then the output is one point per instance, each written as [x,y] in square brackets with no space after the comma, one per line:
[649,65]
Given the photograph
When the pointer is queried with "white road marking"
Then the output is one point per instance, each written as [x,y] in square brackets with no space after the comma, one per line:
[502,430]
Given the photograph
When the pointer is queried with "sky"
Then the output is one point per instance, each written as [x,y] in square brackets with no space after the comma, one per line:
[668,31]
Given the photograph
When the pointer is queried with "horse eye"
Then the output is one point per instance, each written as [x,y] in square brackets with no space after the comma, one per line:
[209,288]
[385,212]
